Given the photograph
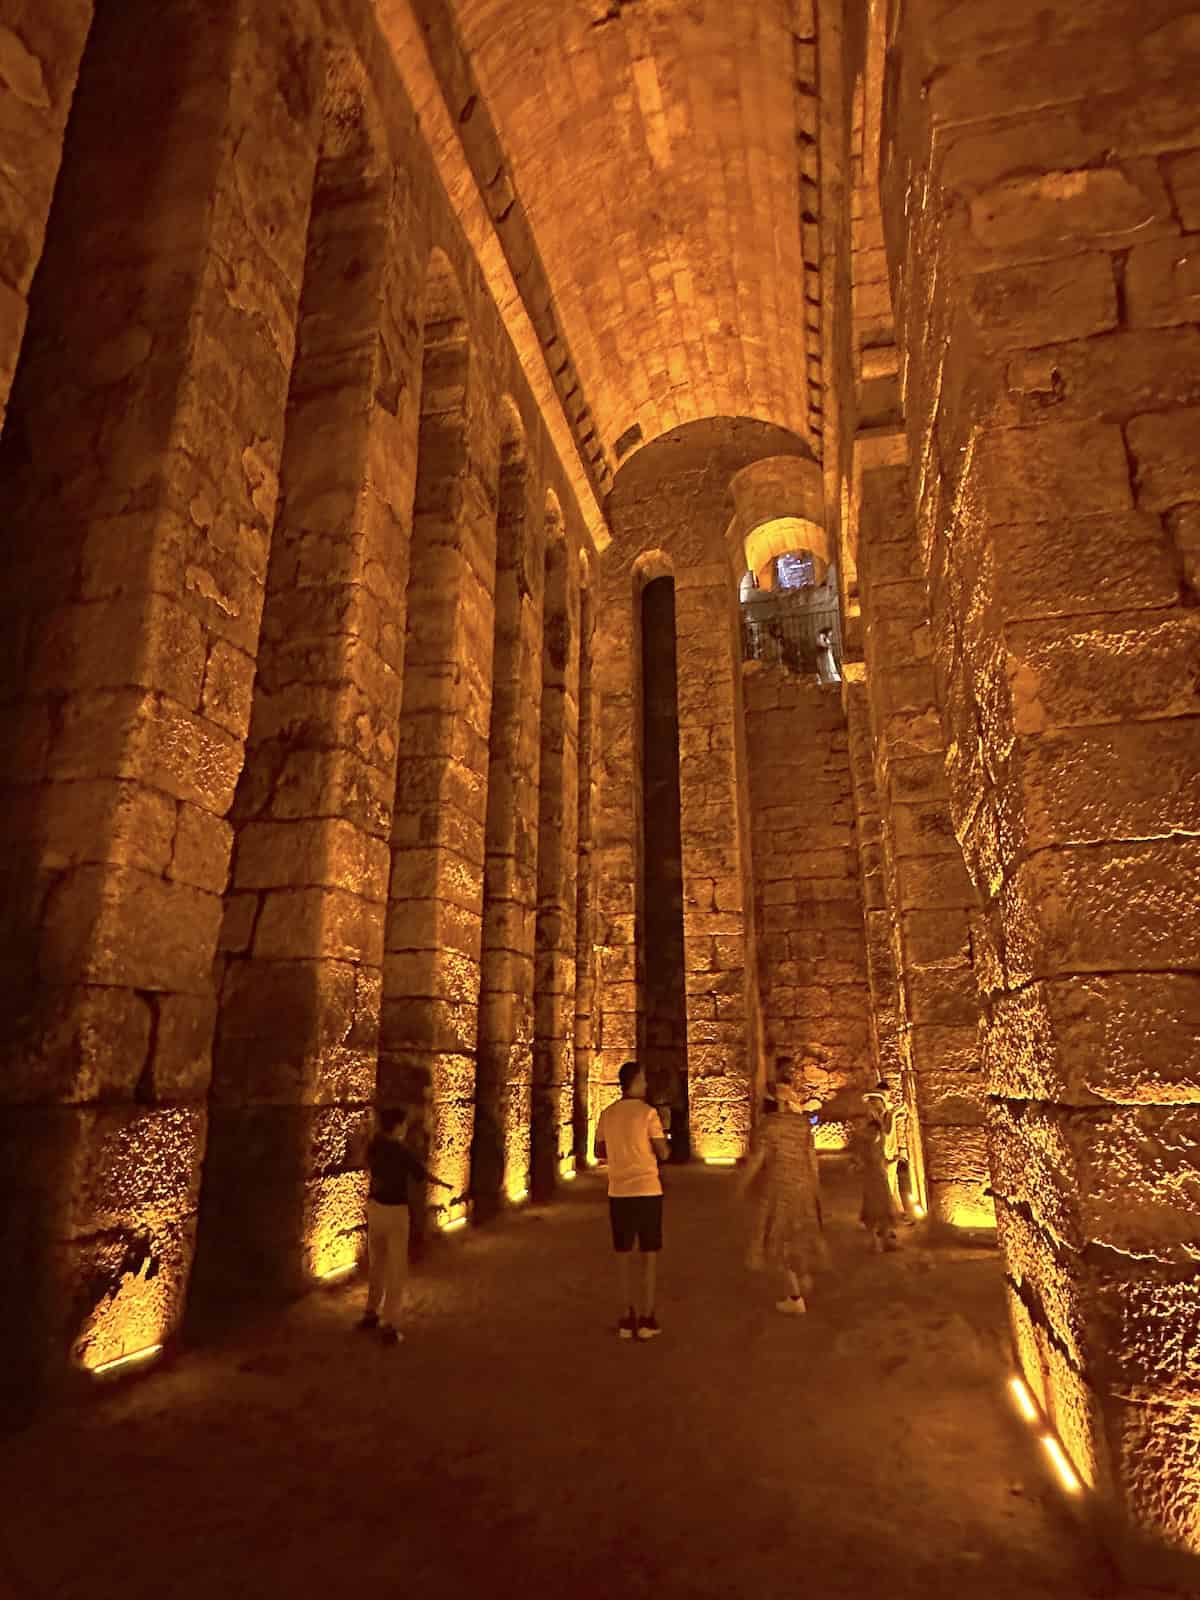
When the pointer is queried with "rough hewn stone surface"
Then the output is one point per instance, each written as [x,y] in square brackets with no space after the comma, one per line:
[926,904]
[1052,385]
[336,767]
[308,890]
[812,952]
[504,1063]
[556,932]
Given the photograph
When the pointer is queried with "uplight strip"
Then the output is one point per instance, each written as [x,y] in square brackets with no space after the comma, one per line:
[145,1354]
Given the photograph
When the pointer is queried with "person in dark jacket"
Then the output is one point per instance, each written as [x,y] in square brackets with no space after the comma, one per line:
[392,1166]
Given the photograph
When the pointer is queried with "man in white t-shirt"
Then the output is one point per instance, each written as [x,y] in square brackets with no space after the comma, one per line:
[630,1138]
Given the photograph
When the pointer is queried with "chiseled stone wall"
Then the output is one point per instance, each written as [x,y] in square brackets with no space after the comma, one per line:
[812,958]
[1041,196]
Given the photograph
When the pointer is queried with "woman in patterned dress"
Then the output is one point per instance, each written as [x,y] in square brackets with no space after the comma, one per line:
[780,1181]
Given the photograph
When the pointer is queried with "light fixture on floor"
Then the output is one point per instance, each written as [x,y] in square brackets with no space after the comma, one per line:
[455,1222]
[1020,1393]
[135,1357]
[1058,1457]
[331,1273]
[720,1161]
[918,1212]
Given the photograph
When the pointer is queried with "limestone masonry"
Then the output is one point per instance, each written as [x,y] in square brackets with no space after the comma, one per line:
[433,436]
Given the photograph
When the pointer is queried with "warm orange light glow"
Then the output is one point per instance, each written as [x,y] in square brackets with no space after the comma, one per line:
[519,1196]
[337,1272]
[455,1222]
[979,1219]
[918,1211]
[334,1213]
[720,1161]
[129,1324]
[1058,1457]
[1020,1393]
[147,1354]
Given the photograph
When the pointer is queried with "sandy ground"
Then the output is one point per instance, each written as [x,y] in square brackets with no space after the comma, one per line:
[514,1447]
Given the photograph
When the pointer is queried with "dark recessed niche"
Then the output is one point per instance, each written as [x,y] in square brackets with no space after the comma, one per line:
[628,439]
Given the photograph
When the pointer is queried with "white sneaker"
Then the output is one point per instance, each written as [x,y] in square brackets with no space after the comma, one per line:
[793,1306]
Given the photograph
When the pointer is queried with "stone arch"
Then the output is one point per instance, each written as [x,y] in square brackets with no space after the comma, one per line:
[674,510]
[647,566]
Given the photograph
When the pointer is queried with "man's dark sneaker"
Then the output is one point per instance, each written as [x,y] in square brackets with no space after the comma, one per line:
[388,1334]
[367,1321]
[628,1326]
[648,1328]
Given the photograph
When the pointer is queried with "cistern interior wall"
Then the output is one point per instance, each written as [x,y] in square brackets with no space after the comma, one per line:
[396,395]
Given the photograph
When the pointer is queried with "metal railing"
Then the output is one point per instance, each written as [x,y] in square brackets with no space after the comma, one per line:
[780,627]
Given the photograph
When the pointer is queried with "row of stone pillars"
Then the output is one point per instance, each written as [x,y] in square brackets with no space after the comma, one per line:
[274,846]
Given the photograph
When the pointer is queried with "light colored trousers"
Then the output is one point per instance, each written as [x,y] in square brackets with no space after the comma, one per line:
[387,1259]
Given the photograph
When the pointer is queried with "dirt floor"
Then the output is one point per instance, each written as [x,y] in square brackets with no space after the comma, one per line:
[514,1447]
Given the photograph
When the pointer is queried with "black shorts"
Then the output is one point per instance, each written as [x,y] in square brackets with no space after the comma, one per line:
[636,1216]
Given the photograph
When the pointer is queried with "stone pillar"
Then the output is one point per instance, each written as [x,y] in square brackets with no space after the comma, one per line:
[139,485]
[886,1055]
[304,917]
[812,959]
[662,989]
[1049,188]
[617,827]
[720,977]
[928,893]
[587,1008]
[40,49]
[506,1023]
[431,964]
[888,1058]
[558,832]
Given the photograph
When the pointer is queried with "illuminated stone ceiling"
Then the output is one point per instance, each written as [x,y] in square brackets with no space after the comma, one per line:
[664,152]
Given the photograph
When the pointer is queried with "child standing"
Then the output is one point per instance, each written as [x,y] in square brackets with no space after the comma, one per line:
[878,1207]
[391,1164]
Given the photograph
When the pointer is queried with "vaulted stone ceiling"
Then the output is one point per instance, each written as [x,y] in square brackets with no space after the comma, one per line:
[665,155]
